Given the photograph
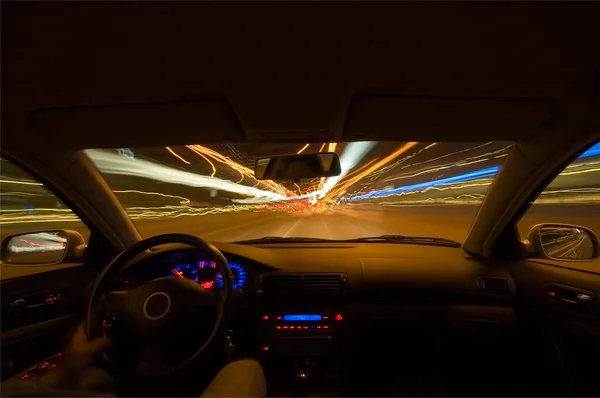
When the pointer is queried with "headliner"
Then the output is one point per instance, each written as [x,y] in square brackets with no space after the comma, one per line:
[292,71]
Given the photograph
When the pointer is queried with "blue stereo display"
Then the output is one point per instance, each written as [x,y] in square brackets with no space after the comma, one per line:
[301,318]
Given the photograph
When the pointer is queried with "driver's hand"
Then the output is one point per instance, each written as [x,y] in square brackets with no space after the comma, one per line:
[77,356]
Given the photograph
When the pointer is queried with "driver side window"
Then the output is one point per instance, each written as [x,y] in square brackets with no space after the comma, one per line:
[572,198]
[27,206]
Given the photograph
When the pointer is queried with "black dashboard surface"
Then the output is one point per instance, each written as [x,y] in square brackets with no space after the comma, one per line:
[380,279]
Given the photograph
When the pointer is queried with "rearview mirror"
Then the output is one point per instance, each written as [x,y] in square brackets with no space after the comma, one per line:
[296,167]
[562,242]
[44,247]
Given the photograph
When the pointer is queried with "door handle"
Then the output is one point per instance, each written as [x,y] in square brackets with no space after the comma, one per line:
[569,301]
[38,301]
[21,303]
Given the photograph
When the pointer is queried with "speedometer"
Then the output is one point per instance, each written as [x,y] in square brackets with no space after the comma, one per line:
[185,271]
[239,276]
[206,274]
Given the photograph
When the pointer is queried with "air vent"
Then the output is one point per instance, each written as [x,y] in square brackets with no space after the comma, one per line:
[303,283]
[496,287]
[473,259]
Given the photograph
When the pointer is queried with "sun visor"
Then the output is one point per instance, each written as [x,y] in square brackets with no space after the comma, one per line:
[139,125]
[395,118]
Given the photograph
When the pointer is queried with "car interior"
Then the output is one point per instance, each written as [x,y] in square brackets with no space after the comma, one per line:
[506,311]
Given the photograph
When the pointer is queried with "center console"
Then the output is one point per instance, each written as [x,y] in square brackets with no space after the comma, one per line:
[303,348]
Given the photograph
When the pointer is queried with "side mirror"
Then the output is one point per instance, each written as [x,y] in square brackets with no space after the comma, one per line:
[296,167]
[562,242]
[44,247]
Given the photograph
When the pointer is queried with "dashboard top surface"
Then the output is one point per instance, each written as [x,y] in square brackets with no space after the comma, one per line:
[380,266]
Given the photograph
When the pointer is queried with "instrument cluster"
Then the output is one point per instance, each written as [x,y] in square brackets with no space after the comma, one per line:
[206,274]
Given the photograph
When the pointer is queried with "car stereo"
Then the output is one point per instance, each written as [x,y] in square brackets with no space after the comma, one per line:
[299,333]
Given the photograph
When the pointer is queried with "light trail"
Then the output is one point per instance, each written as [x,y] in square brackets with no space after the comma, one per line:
[109,163]
[346,184]
[303,148]
[488,172]
[461,163]
[214,169]
[177,156]
[449,183]
[398,162]
[322,146]
[243,170]
[20,182]
[164,195]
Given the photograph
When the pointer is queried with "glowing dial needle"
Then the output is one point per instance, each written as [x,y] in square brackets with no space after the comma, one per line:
[177,274]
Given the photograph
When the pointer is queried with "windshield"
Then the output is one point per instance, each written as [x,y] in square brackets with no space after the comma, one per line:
[398,188]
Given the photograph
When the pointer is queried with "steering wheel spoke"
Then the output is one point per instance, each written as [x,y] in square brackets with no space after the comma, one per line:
[116,302]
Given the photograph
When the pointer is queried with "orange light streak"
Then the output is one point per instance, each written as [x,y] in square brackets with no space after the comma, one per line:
[303,148]
[244,171]
[177,156]
[346,184]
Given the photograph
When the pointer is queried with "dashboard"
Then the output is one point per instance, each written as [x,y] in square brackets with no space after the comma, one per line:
[301,301]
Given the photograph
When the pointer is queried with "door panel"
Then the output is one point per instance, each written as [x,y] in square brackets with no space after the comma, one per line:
[567,327]
[37,329]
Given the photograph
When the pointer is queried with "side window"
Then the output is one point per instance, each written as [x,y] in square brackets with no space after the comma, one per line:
[572,198]
[27,207]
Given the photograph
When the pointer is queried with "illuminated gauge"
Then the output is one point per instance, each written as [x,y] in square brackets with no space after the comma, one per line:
[239,276]
[185,271]
[207,264]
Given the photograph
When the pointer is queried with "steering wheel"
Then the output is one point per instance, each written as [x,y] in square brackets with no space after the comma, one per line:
[160,314]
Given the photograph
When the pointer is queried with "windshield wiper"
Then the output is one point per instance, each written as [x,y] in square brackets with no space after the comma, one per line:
[280,239]
[406,239]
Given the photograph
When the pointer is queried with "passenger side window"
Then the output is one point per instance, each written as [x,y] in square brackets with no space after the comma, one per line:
[27,206]
[572,198]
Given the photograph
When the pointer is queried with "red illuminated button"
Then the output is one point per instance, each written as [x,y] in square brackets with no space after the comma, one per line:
[325,327]
[551,294]
[304,327]
[285,327]
[265,348]
[278,318]
[318,326]
[338,317]
[277,327]
[325,317]
[292,327]
[265,317]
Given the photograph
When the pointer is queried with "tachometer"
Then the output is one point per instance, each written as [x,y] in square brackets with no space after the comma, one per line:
[239,276]
[185,271]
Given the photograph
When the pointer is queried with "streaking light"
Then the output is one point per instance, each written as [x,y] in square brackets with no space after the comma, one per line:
[110,163]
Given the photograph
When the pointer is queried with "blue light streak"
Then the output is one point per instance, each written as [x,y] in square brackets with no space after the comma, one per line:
[473,175]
